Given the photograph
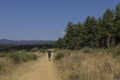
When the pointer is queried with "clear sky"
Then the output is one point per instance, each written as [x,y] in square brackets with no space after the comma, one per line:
[45,19]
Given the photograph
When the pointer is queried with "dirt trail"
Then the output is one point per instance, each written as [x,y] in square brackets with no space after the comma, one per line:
[43,69]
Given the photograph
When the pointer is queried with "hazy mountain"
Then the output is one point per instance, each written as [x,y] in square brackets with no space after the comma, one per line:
[25,42]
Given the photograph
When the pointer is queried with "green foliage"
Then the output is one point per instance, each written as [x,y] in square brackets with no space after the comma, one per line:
[58,43]
[1,65]
[117,50]
[117,22]
[43,50]
[8,48]
[86,50]
[108,29]
[59,55]
[117,12]
[22,56]
[31,56]
[103,32]
[35,49]
[90,32]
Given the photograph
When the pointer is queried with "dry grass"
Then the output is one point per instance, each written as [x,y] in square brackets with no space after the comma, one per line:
[93,66]
[7,68]
[10,70]
[13,71]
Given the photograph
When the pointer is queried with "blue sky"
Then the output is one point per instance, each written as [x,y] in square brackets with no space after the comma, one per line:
[45,19]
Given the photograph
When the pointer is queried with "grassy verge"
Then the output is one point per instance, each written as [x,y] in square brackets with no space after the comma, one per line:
[59,54]
[96,66]
[14,59]
[87,50]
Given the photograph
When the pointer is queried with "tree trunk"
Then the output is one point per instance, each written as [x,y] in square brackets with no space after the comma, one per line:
[113,42]
[108,41]
[102,42]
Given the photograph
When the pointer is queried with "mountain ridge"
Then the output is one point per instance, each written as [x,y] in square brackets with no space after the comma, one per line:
[25,42]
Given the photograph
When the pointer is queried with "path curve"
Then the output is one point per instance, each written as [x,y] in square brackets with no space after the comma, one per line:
[43,69]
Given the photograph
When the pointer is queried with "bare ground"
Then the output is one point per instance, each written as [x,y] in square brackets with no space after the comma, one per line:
[43,69]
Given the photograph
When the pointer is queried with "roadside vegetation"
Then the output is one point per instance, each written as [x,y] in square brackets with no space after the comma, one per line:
[95,65]
[103,32]
[88,51]
[94,47]
[22,56]
[15,57]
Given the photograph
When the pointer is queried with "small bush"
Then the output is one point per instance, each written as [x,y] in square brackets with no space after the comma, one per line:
[73,76]
[86,50]
[31,56]
[116,51]
[35,49]
[61,53]
[1,65]
[59,56]
[43,50]
[21,56]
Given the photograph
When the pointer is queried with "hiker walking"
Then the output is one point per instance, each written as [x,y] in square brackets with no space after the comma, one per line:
[49,54]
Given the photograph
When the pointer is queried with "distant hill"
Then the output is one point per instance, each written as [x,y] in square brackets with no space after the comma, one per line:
[25,42]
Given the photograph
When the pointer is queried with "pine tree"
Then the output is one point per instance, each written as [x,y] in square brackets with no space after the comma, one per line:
[91,31]
[95,33]
[107,26]
[117,22]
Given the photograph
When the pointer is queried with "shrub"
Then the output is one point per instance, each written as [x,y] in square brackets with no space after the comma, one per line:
[116,51]
[73,76]
[1,65]
[32,56]
[59,56]
[86,50]
[21,56]
[43,50]
[61,53]
[35,49]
